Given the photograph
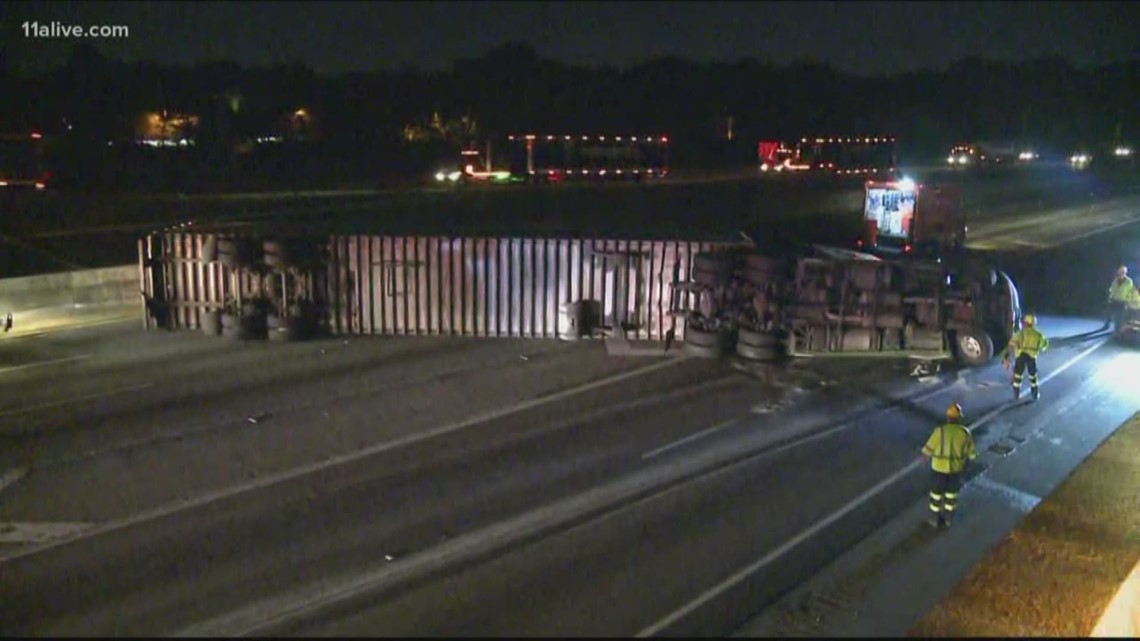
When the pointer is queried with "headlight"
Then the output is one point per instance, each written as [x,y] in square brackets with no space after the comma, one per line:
[440,176]
[950,160]
[963,159]
[454,176]
[1123,151]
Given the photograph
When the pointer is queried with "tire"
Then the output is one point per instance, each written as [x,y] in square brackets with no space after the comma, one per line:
[285,334]
[230,321]
[857,339]
[973,347]
[694,336]
[756,339]
[758,354]
[236,333]
[702,351]
[890,320]
[211,323]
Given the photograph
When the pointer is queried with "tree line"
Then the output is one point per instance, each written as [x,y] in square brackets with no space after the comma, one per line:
[711,111]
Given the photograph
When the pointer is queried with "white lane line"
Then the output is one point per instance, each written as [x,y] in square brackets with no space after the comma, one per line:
[289,475]
[72,401]
[792,543]
[1020,499]
[25,533]
[688,439]
[56,361]
[12,477]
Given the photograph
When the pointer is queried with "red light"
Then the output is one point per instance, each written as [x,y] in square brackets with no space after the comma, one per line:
[859,243]
[906,249]
[36,135]
[664,139]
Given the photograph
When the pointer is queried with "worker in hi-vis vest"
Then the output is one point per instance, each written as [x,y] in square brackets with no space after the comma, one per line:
[1024,347]
[949,448]
[1119,292]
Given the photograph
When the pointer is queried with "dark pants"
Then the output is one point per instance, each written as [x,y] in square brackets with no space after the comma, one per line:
[1024,362]
[1117,313]
[944,494]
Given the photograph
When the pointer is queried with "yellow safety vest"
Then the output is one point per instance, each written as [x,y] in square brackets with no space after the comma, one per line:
[949,447]
[1120,290]
[1028,341]
[1134,299]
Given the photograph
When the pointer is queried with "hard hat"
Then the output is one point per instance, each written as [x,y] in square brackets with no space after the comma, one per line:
[1122,270]
[1030,320]
[954,412]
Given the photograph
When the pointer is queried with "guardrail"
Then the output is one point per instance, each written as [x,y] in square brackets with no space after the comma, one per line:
[61,292]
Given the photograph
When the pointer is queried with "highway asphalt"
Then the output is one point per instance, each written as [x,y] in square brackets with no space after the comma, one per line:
[171,483]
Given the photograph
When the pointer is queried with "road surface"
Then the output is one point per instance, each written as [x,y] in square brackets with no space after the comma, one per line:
[172,483]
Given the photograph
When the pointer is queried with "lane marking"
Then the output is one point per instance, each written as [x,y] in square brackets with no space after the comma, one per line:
[66,327]
[72,401]
[305,470]
[25,533]
[688,439]
[56,361]
[745,573]
[12,476]
[1022,500]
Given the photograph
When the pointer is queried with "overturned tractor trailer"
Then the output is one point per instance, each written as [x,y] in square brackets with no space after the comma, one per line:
[712,297]
[280,284]
[831,301]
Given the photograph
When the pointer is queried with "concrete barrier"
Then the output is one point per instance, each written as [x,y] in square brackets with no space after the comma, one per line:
[65,292]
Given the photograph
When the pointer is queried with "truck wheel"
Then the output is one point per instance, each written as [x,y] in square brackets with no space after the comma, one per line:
[973,347]
[756,339]
[702,351]
[211,323]
[758,354]
[694,336]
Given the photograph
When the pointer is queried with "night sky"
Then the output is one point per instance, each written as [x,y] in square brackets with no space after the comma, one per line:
[869,38]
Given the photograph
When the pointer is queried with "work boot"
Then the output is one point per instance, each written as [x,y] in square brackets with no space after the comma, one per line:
[934,521]
[1016,393]
[1036,394]
[945,521]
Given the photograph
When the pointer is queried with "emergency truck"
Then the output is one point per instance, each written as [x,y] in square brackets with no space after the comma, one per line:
[903,216]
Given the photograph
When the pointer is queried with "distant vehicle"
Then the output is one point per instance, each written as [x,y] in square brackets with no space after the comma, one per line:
[990,154]
[22,163]
[776,156]
[868,155]
[1080,159]
[557,158]
[902,216]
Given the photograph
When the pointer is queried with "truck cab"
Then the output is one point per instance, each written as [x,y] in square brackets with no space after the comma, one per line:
[909,218]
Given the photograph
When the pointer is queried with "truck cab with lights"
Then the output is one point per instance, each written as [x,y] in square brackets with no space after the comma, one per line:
[909,218]
[22,162]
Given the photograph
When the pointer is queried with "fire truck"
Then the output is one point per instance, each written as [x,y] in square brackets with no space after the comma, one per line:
[905,217]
